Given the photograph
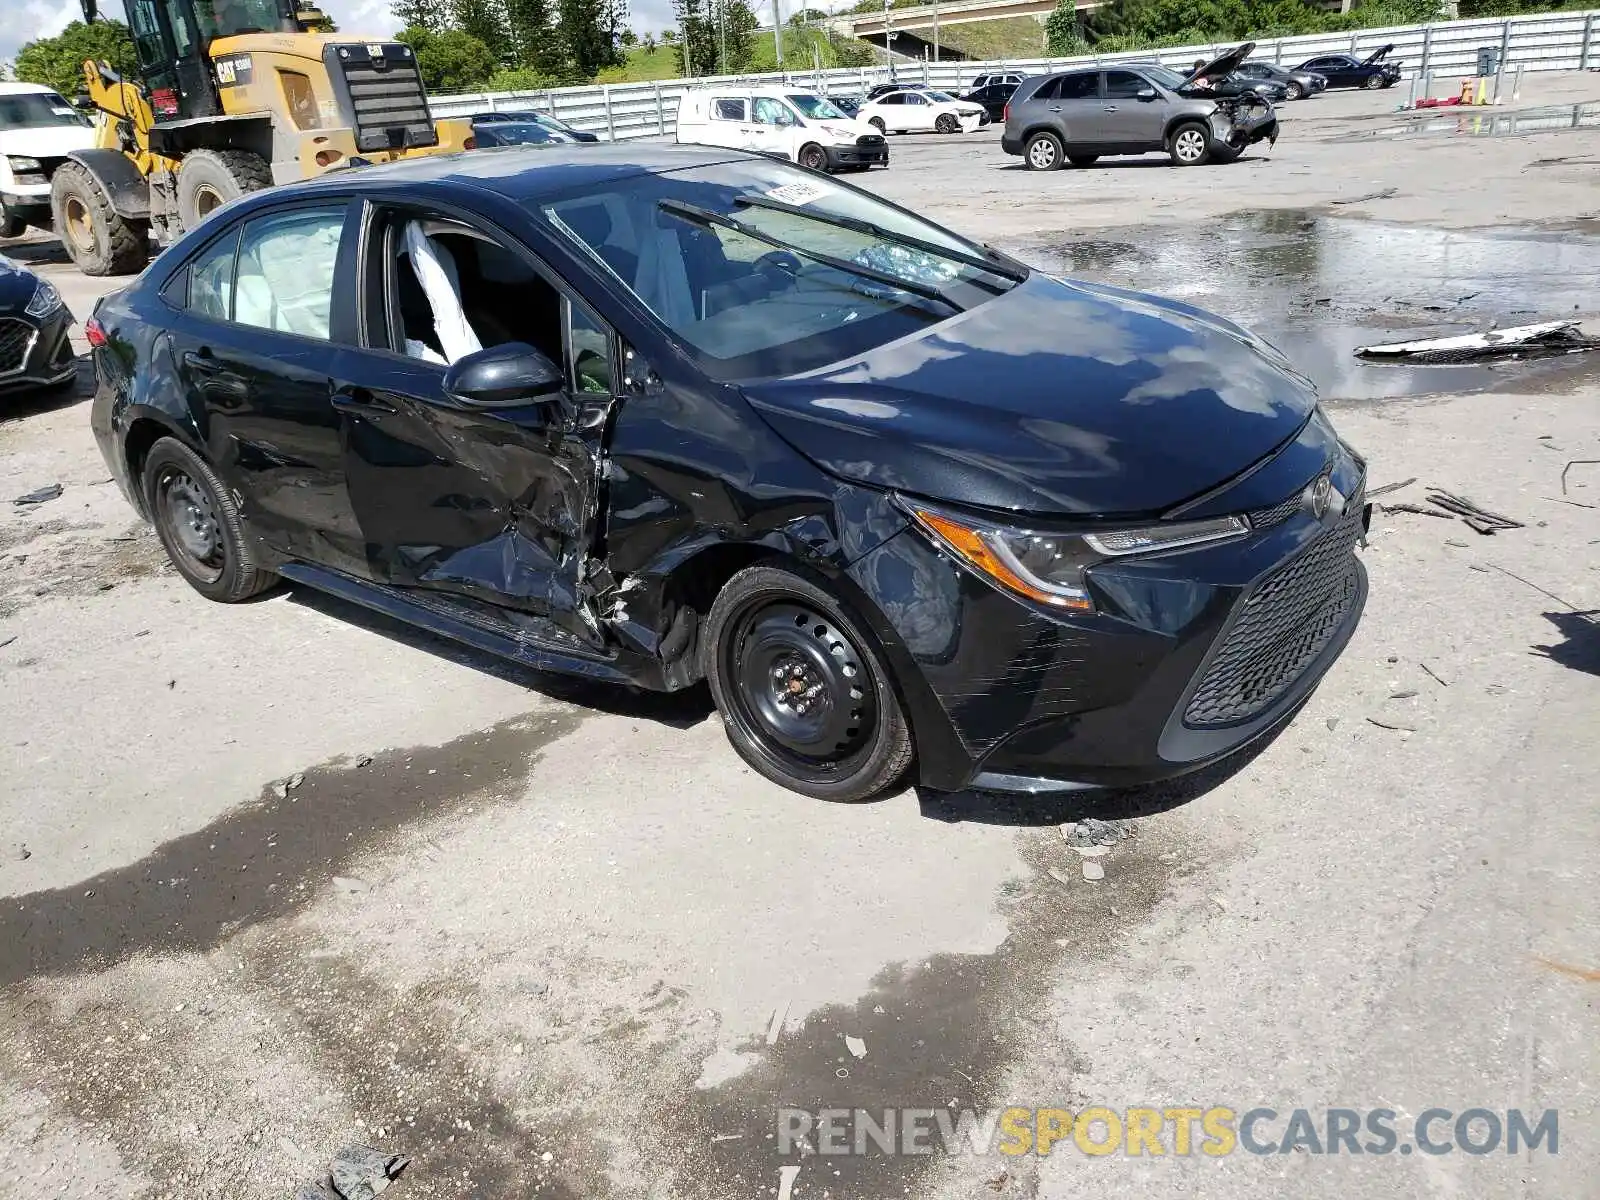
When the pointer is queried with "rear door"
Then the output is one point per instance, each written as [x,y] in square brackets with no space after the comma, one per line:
[1075,108]
[728,122]
[1129,120]
[486,506]
[262,309]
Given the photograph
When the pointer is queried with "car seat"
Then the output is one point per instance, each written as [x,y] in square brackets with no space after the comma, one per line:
[592,223]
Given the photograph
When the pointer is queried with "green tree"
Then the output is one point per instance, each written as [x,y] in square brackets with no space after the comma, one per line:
[451,60]
[419,14]
[669,37]
[1143,23]
[807,15]
[1063,32]
[697,38]
[57,62]
[628,39]
[534,36]
[586,38]
[485,20]
[518,79]
[734,24]
[851,52]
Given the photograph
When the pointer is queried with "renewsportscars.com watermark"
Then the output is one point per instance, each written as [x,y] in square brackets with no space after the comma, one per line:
[1155,1132]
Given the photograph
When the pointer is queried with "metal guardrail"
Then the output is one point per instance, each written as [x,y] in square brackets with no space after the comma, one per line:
[619,111]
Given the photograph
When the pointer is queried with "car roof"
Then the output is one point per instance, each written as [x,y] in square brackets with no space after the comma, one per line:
[516,174]
[25,89]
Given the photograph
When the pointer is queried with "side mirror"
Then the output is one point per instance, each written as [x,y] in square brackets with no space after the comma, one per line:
[1146,93]
[83,102]
[503,376]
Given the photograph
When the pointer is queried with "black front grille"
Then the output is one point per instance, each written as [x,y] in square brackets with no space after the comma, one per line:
[385,101]
[15,338]
[1284,624]
[869,139]
[1266,518]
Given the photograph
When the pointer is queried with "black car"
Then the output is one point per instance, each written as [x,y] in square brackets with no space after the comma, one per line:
[1348,71]
[654,414]
[994,97]
[533,116]
[848,105]
[1297,85]
[498,131]
[35,346]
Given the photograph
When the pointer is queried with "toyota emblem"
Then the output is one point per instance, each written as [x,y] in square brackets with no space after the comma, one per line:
[1319,494]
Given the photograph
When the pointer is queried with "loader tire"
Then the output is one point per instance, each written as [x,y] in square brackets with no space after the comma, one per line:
[208,179]
[97,239]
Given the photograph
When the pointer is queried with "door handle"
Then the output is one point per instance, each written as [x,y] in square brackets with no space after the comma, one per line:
[361,400]
[1111,108]
[202,360]
[1055,108]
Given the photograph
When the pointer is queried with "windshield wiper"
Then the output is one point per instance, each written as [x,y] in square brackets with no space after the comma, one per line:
[995,265]
[705,216]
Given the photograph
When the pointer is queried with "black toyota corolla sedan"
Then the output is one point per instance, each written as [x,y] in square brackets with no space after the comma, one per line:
[657,414]
[35,346]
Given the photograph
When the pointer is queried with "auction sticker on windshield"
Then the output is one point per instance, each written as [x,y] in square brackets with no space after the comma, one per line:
[797,193]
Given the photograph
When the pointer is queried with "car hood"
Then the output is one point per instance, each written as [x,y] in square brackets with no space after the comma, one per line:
[1055,398]
[47,141]
[1224,64]
[1377,55]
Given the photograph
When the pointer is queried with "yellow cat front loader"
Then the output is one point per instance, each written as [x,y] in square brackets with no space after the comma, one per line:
[233,95]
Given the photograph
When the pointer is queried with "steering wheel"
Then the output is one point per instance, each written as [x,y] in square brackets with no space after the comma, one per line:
[774,262]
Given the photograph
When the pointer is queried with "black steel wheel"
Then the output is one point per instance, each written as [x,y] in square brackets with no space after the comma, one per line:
[812,157]
[199,524]
[804,695]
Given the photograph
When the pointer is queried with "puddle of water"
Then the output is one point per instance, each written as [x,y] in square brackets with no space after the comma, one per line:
[1476,122]
[1318,287]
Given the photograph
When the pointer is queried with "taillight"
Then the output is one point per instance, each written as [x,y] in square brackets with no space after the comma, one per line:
[1005,113]
[95,332]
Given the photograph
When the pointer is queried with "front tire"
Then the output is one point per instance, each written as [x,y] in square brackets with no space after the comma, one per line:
[877,123]
[1190,144]
[1293,91]
[96,238]
[812,157]
[947,123]
[208,179]
[1373,83]
[1043,152]
[11,225]
[199,524]
[804,694]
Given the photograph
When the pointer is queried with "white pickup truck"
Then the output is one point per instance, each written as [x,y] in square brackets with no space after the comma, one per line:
[38,129]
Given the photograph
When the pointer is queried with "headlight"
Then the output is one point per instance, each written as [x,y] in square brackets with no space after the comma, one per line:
[1049,567]
[22,163]
[838,131]
[45,300]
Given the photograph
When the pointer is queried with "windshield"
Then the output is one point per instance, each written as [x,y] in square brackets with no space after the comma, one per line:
[516,133]
[223,18]
[1166,77]
[816,108]
[938,95]
[786,289]
[34,110]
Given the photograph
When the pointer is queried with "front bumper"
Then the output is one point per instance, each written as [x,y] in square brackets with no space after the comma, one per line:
[36,354]
[32,208]
[1191,657]
[856,156]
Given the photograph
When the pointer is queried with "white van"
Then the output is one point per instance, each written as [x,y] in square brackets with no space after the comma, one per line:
[38,129]
[783,122]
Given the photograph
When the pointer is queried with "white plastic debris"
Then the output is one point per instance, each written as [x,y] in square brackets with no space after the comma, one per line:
[856,1046]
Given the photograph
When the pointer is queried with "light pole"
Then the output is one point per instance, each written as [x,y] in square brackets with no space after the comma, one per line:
[777,32]
[888,37]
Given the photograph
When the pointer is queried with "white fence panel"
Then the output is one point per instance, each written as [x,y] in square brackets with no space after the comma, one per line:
[1544,42]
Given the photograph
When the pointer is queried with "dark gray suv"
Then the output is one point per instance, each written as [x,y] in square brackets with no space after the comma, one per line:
[1078,116]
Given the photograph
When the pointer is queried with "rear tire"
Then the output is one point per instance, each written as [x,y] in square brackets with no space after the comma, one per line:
[1042,152]
[199,524]
[804,694]
[1190,144]
[208,179]
[812,158]
[1083,160]
[96,238]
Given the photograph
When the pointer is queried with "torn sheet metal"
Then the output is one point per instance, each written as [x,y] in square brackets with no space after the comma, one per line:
[1521,341]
